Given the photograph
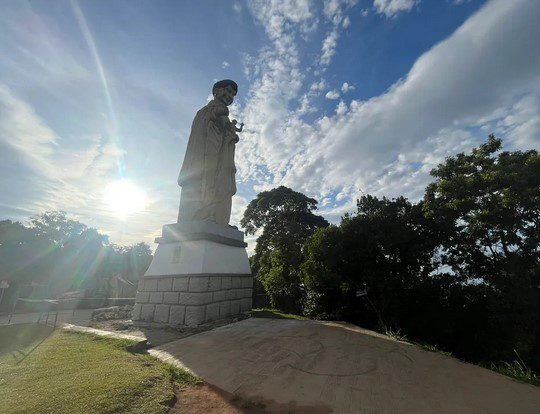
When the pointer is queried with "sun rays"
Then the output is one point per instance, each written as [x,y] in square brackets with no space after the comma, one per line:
[123,198]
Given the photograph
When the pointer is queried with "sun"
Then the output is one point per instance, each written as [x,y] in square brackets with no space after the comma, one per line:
[123,198]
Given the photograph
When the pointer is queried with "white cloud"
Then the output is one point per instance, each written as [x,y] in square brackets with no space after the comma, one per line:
[391,8]
[332,95]
[487,73]
[318,86]
[341,109]
[22,129]
[276,81]
[59,145]
[521,121]
[334,12]
[59,174]
[237,7]
[329,47]
[279,16]
[239,204]
[346,87]
[225,64]
[486,76]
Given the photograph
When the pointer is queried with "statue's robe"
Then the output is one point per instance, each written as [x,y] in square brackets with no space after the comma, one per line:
[207,176]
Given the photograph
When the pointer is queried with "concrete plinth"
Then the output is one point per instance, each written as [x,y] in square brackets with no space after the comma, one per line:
[200,273]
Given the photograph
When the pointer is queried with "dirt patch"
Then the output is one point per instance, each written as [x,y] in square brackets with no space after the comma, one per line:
[205,398]
[158,335]
[112,312]
[202,399]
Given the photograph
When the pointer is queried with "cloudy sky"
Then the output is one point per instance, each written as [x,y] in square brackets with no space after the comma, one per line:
[340,98]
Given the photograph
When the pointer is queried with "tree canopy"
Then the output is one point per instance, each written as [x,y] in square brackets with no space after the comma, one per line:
[459,269]
[285,219]
[60,254]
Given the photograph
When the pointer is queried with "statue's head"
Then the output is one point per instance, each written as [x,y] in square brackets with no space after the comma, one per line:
[224,91]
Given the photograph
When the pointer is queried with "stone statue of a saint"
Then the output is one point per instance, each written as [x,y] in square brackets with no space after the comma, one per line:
[207,176]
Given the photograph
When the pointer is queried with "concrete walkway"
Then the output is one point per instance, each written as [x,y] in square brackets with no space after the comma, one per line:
[77,317]
[316,367]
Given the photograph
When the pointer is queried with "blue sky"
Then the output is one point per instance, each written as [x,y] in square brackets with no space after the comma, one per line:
[340,98]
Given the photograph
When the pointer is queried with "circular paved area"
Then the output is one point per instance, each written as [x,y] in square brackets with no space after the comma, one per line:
[318,367]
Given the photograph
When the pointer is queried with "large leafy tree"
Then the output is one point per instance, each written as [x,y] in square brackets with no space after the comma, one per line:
[386,248]
[56,227]
[487,208]
[20,248]
[283,219]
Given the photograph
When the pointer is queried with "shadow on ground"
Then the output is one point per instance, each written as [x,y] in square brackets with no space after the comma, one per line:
[206,398]
[21,340]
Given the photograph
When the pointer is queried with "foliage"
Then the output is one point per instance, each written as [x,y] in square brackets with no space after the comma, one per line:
[385,249]
[487,209]
[433,348]
[460,268]
[397,335]
[285,219]
[516,369]
[80,373]
[56,254]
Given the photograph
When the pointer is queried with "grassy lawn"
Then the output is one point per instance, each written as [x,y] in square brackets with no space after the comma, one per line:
[42,371]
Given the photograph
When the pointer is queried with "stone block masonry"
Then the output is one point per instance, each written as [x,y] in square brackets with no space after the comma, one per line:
[192,299]
[199,273]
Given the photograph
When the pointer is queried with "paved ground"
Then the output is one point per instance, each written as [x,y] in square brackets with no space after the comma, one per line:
[315,367]
[79,317]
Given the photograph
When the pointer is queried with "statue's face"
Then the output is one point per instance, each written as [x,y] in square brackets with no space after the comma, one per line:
[225,95]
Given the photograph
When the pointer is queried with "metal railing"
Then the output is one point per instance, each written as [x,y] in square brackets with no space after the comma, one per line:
[47,307]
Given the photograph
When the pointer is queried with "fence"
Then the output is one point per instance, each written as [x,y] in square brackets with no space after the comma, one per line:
[52,307]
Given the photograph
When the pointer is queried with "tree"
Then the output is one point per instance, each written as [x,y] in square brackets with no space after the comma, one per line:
[386,249]
[284,219]
[56,227]
[61,254]
[487,208]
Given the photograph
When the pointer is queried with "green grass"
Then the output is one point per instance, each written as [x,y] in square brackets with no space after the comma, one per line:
[397,335]
[516,369]
[400,336]
[275,314]
[434,348]
[67,372]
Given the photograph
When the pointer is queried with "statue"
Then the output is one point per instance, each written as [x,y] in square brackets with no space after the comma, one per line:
[207,176]
[234,122]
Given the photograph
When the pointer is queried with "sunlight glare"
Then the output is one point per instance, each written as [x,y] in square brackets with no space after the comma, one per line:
[124,198]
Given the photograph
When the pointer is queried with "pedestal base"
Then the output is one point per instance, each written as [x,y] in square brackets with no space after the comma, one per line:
[192,299]
[200,273]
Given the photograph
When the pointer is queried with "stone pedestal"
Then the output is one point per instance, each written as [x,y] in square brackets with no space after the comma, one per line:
[200,273]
